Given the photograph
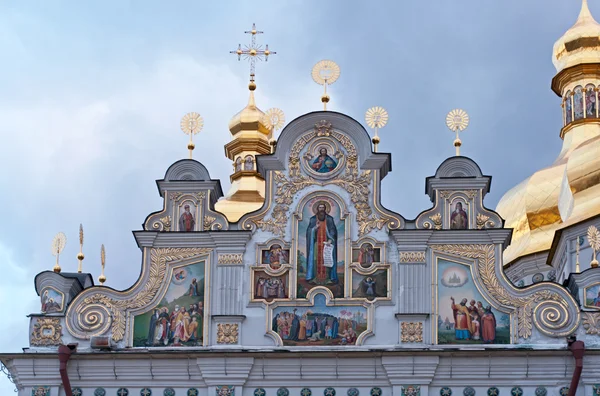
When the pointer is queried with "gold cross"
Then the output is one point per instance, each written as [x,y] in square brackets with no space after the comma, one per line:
[253,51]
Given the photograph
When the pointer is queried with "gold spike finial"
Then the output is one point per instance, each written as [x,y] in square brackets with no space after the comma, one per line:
[102,278]
[325,73]
[376,117]
[80,255]
[58,245]
[253,52]
[191,124]
[594,239]
[577,244]
[457,121]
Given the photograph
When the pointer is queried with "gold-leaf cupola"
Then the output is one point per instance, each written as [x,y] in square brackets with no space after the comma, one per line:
[568,191]
[250,137]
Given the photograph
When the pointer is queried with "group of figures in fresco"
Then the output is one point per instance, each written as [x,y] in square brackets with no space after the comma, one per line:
[51,301]
[574,106]
[592,297]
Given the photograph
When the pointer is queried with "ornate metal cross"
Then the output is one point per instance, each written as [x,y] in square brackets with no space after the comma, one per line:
[253,51]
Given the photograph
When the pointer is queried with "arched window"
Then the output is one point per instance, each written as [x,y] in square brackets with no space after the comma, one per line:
[590,101]
[578,103]
[568,108]
[249,163]
[238,164]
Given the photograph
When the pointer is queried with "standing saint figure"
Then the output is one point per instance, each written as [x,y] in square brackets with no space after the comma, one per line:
[186,220]
[366,255]
[596,301]
[488,326]
[321,231]
[323,163]
[193,289]
[462,319]
[459,219]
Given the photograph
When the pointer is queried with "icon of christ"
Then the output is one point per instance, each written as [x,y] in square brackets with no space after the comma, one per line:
[321,247]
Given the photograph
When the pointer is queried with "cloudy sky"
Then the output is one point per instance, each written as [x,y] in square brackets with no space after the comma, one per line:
[91,94]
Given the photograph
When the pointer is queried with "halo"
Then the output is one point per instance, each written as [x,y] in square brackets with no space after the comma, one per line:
[192,123]
[325,72]
[457,120]
[376,117]
[274,119]
[58,243]
[321,202]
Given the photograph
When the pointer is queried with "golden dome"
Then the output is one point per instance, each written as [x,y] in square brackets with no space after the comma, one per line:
[580,44]
[250,118]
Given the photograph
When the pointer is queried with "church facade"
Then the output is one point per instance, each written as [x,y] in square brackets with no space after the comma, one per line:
[299,282]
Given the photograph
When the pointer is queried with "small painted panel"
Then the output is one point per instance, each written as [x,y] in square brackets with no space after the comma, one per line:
[275,256]
[411,390]
[225,390]
[179,317]
[464,316]
[187,216]
[366,255]
[370,286]
[568,108]
[590,101]
[40,391]
[578,103]
[592,296]
[269,287]
[321,247]
[52,300]
[459,218]
[319,324]
[322,161]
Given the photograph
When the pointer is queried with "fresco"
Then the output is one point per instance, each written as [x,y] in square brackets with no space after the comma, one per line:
[323,162]
[275,256]
[268,288]
[321,247]
[366,255]
[187,221]
[464,316]
[370,286]
[459,219]
[52,301]
[319,324]
[592,296]
[179,317]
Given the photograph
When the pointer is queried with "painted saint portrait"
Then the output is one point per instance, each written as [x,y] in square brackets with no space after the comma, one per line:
[370,286]
[320,250]
[186,219]
[323,163]
[366,255]
[568,108]
[52,301]
[320,324]
[179,317]
[465,317]
[578,103]
[590,102]
[248,163]
[269,287]
[592,297]
[275,256]
[238,164]
[459,220]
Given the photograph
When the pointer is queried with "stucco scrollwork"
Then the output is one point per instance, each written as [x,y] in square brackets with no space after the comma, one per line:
[435,223]
[46,332]
[227,333]
[97,310]
[591,323]
[162,224]
[412,332]
[547,306]
[356,183]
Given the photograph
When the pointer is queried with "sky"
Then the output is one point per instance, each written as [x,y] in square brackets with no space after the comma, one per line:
[92,93]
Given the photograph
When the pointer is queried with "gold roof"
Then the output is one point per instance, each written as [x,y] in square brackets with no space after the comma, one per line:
[580,44]
[250,118]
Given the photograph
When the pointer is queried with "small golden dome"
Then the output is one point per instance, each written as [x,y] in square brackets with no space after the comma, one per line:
[376,140]
[580,44]
[249,118]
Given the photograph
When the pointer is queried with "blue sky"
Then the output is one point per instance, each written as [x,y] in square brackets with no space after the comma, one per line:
[91,94]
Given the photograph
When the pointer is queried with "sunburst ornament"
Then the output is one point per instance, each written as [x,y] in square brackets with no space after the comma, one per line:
[325,73]
[457,121]
[274,119]
[594,239]
[191,124]
[80,255]
[58,245]
[376,117]
[102,278]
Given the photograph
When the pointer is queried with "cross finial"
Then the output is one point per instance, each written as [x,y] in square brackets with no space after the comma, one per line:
[252,52]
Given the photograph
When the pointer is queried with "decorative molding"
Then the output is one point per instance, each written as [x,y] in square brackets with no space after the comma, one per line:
[411,390]
[436,222]
[225,390]
[95,314]
[227,333]
[471,193]
[175,196]
[208,222]
[591,323]
[412,257]
[411,332]
[162,224]
[40,391]
[230,258]
[542,305]
[46,332]
[481,221]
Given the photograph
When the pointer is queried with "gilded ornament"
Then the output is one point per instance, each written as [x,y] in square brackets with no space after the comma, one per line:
[201,195]
[412,257]
[594,239]
[481,220]
[325,73]
[437,221]
[274,119]
[95,314]
[230,258]
[208,222]
[411,332]
[457,121]
[252,52]
[58,245]
[548,310]
[175,196]
[227,333]
[445,194]
[471,193]
[376,117]
[46,332]
[591,322]
[191,124]
[162,224]
[225,390]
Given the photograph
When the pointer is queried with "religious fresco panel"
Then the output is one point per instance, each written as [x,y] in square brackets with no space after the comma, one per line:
[52,300]
[319,324]
[459,217]
[568,107]
[275,256]
[592,296]
[366,255]
[178,319]
[464,315]
[268,287]
[188,213]
[321,250]
[590,101]
[578,103]
[370,286]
